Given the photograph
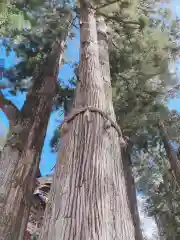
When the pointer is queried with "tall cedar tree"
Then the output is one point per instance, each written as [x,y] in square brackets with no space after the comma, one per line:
[105,71]
[137,112]
[89,191]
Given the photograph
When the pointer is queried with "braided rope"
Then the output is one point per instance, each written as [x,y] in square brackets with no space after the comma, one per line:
[78,111]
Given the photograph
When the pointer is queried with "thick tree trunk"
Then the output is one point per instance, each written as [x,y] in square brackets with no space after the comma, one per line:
[24,192]
[105,70]
[22,151]
[172,156]
[89,199]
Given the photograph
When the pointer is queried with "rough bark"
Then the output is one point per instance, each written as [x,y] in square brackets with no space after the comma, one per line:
[105,71]
[22,150]
[172,157]
[89,198]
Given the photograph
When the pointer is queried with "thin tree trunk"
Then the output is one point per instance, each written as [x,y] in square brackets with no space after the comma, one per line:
[104,64]
[89,199]
[105,70]
[131,191]
[20,161]
[172,156]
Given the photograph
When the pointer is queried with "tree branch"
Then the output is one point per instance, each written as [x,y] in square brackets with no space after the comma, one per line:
[8,108]
[118,20]
[106,4]
[5,85]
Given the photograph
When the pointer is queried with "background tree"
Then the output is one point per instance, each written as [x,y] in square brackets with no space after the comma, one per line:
[17,183]
[156,181]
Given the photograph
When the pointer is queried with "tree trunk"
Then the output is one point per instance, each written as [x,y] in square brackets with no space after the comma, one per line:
[89,199]
[172,157]
[105,70]
[24,211]
[22,151]
[131,191]
[105,65]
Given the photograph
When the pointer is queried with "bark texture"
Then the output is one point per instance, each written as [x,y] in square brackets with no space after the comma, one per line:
[105,65]
[89,199]
[20,157]
[174,161]
[105,71]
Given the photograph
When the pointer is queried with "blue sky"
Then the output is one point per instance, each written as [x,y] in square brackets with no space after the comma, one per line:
[48,159]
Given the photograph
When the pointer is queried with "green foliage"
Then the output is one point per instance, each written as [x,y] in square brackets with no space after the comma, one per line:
[11,18]
[141,76]
[141,79]
[32,46]
[155,179]
[55,140]
[139,59]
[34,236]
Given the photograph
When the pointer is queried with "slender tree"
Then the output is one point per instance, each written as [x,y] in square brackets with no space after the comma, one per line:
[172,156]
[90,200]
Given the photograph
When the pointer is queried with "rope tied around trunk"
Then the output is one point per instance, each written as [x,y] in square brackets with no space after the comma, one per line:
[86,110]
